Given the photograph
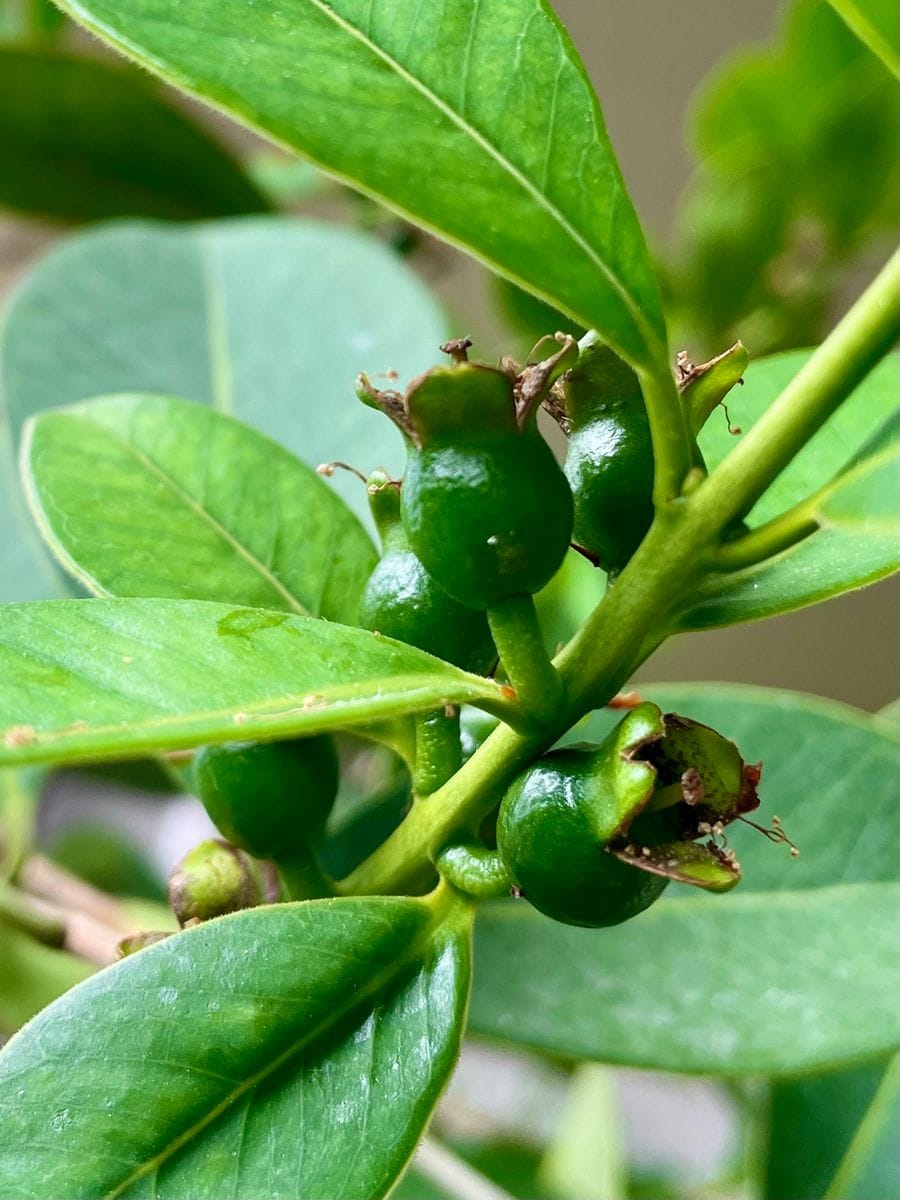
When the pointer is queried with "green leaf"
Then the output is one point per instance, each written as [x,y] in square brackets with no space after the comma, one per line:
[479,123]
[32,976]
[84,140]
[814,1123]
[150,496]
[875,24]
[871,1167]
[106,859]
[864,501]
[272,320]
[836,446]
[288,1050]
[93,679]
[774,977]
[25,573]
[858,513]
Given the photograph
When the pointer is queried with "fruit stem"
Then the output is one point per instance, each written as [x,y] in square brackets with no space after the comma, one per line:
[438,749]
[303,879]
[520,644]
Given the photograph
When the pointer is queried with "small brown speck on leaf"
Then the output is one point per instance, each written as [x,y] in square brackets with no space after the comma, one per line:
[19,735]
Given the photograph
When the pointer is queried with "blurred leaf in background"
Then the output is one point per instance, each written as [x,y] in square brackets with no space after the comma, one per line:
[85,140]
[797,146]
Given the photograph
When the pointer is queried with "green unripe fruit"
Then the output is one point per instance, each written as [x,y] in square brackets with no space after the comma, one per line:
[485,505]
[489,519]
[591,836]
[554,854]
[215,878]
[271,798]
[609,463]
[401,600]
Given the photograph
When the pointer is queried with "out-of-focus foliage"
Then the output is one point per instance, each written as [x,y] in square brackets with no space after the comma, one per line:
[798,149]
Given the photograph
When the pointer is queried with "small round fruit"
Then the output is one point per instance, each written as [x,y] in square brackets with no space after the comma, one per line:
[271,798]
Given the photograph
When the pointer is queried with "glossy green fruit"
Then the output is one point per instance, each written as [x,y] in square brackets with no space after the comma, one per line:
[549,841]
[609,463]
[485,505]
[271,798]
[401,600]
[591,836]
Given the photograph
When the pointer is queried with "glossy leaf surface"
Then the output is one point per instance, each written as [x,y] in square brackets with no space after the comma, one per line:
[479,123]
[84,140]
[188,1062]
[151,496]
[93,679]
[857,541]
[773,977]
[265,318]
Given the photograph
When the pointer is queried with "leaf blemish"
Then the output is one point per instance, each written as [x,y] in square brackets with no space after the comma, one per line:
[244,622]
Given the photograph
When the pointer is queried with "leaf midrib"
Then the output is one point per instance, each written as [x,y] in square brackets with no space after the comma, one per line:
[543,201]
[354,1001]
[191,505]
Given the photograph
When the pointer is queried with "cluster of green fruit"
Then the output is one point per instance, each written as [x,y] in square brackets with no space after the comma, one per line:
[481,522]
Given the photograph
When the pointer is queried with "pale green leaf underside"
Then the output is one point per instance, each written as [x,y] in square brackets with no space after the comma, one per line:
[283,1051]
[476,120]
[93,679]
[772,977]
[857,543]
[156,497]
[266,318]
[751,983]
[826,564]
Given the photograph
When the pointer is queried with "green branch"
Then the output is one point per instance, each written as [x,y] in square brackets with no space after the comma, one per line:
[636,612]
[843,360]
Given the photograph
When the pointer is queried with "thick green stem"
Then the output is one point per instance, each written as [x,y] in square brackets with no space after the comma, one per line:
[842,361]
[438,750]
[517,636]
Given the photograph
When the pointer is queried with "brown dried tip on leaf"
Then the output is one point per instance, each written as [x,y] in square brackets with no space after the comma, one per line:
[687,371]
